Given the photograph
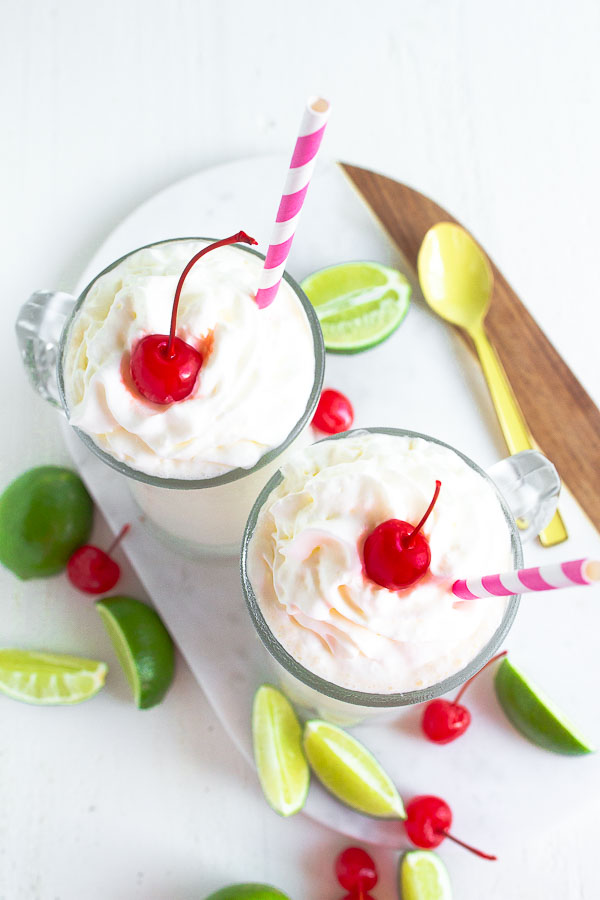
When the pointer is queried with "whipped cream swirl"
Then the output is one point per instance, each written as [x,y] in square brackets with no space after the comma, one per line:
[253,386]
[305,562]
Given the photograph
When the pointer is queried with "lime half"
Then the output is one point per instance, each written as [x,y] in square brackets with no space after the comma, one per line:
[423,876]
[350,772]
[282,768]
[143,647]
[359,304]
[49,679]
[533,713]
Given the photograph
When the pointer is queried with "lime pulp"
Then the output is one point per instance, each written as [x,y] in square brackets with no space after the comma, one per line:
[423,876]
[49,679]
[358,304]
[350,772]
[277,737]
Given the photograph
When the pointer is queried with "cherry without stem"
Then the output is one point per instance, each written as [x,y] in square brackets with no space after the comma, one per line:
[355,870]
[396,553]
[445,720]
[334,412]
[428,821]
[164,368]
[92,570]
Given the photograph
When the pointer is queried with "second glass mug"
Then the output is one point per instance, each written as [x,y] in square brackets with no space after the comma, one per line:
[527,486]
[218,507]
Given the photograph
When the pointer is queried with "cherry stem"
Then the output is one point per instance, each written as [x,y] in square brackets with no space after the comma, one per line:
[240,238]
[468,847]
[467,683]
[118,539]
[408,539]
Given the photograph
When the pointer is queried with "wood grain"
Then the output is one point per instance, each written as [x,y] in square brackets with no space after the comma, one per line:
[561,415]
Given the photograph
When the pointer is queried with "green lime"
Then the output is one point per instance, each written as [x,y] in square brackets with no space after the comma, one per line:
[533,713]
[45,514]
[248,892]
[350,772]
[423,876]
[49,679]
[143,646]
[359,304]
[282,768]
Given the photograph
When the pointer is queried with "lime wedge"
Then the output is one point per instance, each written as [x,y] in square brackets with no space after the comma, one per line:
[423,876]
[347,769]
[143,647]
[358,304]
[49,679]
[282,768]
[533,713]
[248,892]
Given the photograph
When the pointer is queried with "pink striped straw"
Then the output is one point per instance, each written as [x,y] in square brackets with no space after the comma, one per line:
[298,178]
[538,578]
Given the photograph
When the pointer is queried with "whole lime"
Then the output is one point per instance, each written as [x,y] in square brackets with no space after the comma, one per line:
[45,514]
[248,892]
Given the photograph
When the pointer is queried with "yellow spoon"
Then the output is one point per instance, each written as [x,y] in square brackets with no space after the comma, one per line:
[456,279]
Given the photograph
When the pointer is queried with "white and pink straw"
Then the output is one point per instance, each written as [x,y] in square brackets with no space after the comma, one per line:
[298,178]
[537,578]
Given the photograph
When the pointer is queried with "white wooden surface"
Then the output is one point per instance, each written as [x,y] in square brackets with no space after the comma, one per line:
[491,109]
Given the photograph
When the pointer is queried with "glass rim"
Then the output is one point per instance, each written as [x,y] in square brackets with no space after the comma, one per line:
[232,474]
[365,698]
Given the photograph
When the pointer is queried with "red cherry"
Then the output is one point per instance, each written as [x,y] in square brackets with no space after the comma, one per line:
[428,820]
[444,720]
[334,413]
[92,570]
[163,367]
[355,870]
[159,377]
[395,554]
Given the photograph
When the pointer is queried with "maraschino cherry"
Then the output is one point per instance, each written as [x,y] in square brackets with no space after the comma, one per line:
[92,570]
[428,820]
[396,554]
[445,720]
[356,872]
[164,368]
[334,412]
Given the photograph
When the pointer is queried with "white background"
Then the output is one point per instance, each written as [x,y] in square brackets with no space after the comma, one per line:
[492,109]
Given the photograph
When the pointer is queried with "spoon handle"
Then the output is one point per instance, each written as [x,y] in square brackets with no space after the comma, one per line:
[513,424]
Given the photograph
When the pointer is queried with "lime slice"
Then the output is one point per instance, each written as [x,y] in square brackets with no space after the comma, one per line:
[49,679]
[350,772]
[533,713]
[282,768]
[143,647]
[359,304]
[248,892]
[423,876]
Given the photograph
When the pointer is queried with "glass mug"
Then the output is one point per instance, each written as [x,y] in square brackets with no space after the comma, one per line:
[213,510]
[527,486]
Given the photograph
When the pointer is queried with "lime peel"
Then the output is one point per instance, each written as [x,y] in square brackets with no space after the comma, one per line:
[142,645]
[535,715]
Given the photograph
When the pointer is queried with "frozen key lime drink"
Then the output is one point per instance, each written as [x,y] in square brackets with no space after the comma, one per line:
[196,459]
[318,538]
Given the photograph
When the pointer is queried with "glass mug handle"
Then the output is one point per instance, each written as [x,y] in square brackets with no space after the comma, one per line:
[530,485]
[39,326]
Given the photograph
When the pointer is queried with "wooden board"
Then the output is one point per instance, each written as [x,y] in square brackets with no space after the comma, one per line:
[561,415]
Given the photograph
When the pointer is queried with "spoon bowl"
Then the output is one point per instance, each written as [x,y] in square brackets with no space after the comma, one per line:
[455,275]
